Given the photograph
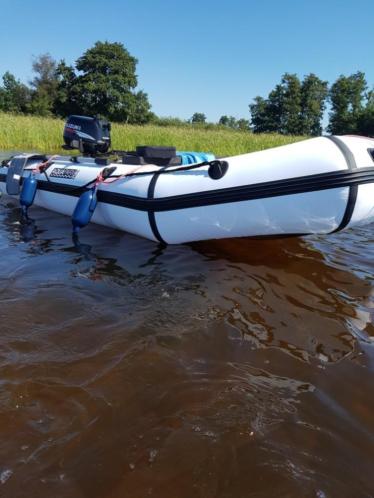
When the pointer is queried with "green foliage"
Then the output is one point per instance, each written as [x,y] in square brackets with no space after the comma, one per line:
[243,124]
[270,116]
[280,112]
[261,116]
[274,109]
[103,82]
[346,97]
[14,95]
[198,117]
[292,107]
[66,98]
[44,85]
[137,109]
[103,85]
[365,121]
[228,121]
[169,121]
[296,108]
[313,103]
[235,124]
[290,104]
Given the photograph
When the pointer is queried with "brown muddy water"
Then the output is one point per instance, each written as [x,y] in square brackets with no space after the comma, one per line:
[228,369]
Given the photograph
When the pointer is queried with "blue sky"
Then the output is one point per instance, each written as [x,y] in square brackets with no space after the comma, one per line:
[198,56]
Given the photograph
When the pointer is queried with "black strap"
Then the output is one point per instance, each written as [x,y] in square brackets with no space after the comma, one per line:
[353,189]
[151,214]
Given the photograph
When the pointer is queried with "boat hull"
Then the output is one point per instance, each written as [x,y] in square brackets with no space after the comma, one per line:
[316,186]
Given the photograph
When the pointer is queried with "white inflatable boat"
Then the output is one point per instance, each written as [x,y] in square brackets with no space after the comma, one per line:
[317,186]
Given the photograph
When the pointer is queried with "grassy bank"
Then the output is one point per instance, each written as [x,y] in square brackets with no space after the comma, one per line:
[29,133]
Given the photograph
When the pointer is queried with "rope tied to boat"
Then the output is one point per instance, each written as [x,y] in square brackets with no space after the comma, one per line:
[216,170]
[87,202]
[42,167]
[30,185]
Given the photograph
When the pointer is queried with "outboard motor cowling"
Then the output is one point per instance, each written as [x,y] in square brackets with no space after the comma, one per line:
[88,135]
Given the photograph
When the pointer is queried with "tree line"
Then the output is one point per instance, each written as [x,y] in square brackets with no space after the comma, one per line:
[297,107]
[103,82]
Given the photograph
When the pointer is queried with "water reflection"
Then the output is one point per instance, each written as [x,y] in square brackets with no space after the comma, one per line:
[228,368]
[289,303]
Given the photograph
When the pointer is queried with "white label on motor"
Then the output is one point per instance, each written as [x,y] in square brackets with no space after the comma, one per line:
[16,177]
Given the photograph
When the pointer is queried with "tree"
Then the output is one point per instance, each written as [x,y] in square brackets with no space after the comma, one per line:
[290,104]
[292,107]
[346,97]
[280,112]
[223,120]
[66,101]
[365,121]
[243,124]
[228,121]
[198,117]
[274,109]
[313,102]
[168,121]
[14,95]
[231,122]
[104,85]
[260,118]
[135,109]
[44,85]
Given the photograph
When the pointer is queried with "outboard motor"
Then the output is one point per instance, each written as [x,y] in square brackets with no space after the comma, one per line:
[89,135]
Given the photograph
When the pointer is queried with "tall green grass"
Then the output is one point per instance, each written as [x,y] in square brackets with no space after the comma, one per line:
[30,133]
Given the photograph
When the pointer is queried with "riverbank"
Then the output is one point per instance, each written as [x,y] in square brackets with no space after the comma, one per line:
[42,134]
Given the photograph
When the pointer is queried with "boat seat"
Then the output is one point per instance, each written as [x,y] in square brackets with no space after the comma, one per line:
[165,156]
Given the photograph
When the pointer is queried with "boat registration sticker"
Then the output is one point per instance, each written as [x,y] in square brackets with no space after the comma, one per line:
[65,173]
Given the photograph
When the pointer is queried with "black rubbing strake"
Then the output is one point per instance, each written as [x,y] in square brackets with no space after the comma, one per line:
[298,185]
